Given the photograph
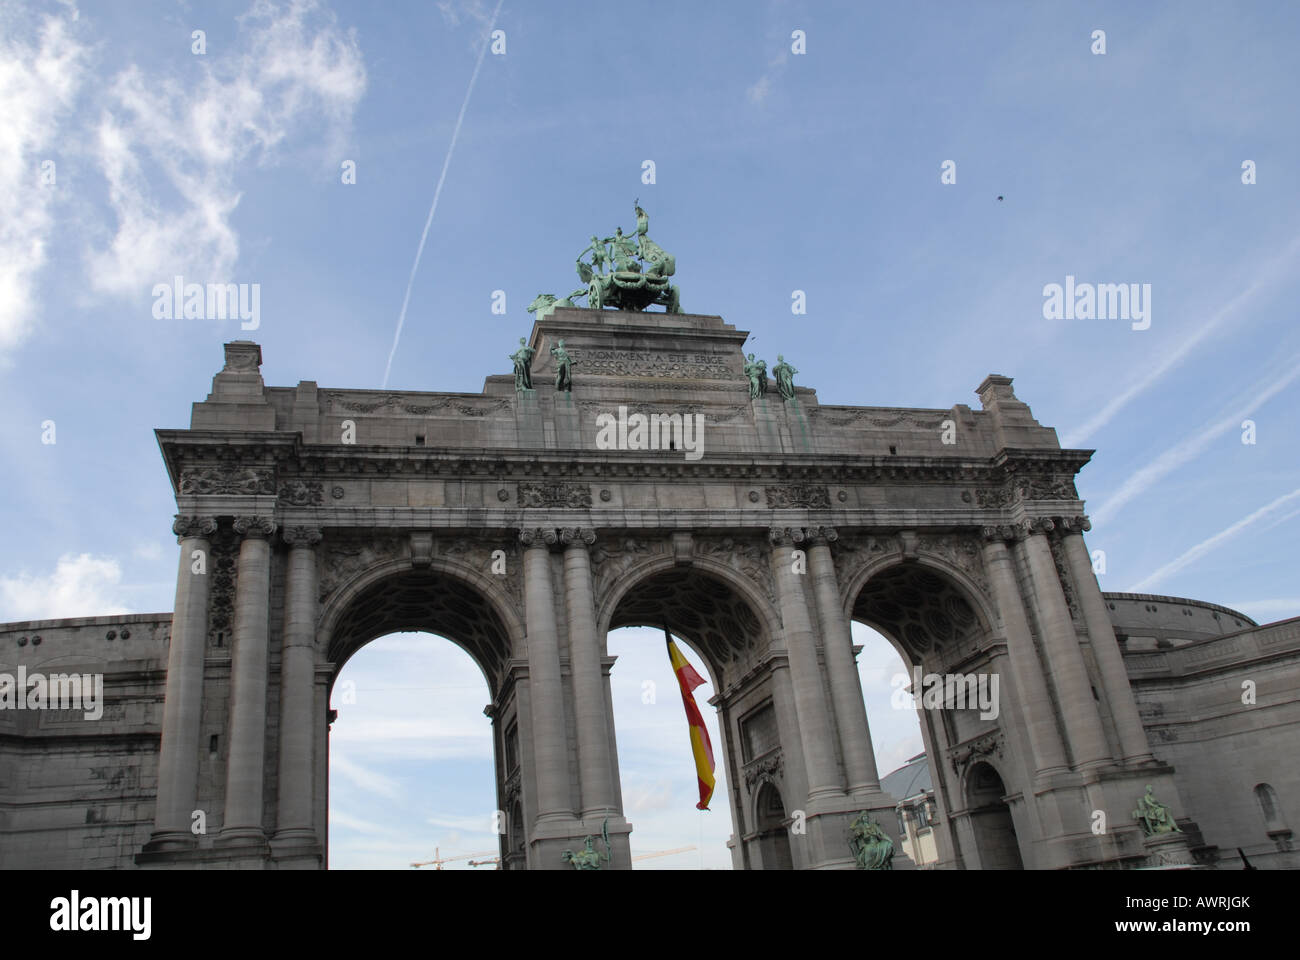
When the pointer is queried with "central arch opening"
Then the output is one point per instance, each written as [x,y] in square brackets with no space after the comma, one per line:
[418,737]
[927,616]
[717,630]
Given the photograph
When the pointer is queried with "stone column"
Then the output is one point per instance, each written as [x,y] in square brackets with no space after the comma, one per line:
[1036,712]
[1061,646]
[846,688]
[178,760]
[298,719]
[1134,746]
[243,819]
[594,767]
[546,693]
[805,672]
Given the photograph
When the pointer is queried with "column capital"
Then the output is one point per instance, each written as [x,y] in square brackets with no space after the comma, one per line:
[1076,524]
[1003,532]
[538,536]
[785,536]
[301,536]
[821,536]
[254,528]
[1034,525]
[577,536]
[188,526]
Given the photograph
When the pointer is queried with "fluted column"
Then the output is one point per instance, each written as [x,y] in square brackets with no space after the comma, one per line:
[805,672]
[1134,746]
[244,764]
[178,760]
[546,693]
[594,768]
[1061,646]
[294,813]
[846,687]
[1037,713]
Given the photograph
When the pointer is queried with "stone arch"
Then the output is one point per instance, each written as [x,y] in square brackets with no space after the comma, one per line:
[760,605]
[361,586]
[973,592]
[993,829]
[770,825]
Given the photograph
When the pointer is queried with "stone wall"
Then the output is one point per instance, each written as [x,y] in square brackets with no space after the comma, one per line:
[61,773]
[1225,711]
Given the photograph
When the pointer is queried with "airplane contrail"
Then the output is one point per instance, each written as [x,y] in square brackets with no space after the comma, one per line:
[437,191]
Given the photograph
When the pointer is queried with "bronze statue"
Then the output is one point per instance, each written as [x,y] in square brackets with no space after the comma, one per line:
[590,858]
[1155,816]
[523,358]
[563,367]
[871,846]
[784,374]
[756,370]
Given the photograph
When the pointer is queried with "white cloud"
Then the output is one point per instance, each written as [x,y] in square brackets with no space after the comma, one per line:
[363,777]
[38,84]
[200,135]
[80,586]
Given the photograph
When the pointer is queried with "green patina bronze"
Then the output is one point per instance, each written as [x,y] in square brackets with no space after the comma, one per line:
[626,272]
[563,367]
[784,374]
[756,370]
[871,846]
[523,358]
[1155,816]
[590,858]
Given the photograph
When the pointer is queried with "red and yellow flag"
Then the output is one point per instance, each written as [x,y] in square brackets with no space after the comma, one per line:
[688,680]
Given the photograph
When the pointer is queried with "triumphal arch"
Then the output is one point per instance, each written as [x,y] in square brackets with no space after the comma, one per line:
[638,468]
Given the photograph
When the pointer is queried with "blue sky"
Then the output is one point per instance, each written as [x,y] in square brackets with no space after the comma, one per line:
[774,172]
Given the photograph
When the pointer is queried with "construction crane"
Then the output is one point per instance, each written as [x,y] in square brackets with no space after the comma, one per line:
[481,863]
[438,859]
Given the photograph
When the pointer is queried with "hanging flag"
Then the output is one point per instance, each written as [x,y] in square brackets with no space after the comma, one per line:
[688,680]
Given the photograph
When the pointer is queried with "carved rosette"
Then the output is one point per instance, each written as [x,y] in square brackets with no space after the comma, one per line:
[254,528]
[301,536]
[226,479]
[185,527]
[577,536]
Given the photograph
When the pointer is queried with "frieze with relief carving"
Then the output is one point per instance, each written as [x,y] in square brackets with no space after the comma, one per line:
[225,479]
[554,494]
[807,495]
